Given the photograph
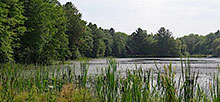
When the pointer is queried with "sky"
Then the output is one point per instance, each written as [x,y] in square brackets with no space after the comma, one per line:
[181,17]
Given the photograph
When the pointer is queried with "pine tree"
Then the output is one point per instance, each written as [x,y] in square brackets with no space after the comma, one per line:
[76,28]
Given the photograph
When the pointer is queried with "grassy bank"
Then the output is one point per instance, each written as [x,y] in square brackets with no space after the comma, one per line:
[20,83]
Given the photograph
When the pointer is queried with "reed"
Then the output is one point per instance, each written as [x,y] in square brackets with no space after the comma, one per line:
[53,83]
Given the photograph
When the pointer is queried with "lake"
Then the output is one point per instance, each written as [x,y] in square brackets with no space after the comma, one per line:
[206,67]
[203,65]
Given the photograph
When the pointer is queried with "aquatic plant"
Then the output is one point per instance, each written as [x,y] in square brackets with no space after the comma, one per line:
[63,83]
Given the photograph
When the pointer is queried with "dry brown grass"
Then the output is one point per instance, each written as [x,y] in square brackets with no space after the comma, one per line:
[70,93]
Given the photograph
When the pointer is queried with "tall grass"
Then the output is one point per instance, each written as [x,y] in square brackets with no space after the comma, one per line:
[63,83]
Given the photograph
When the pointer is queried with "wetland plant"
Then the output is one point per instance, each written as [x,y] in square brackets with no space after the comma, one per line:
[62,83]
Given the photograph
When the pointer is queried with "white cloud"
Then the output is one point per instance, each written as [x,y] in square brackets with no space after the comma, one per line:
[180,16]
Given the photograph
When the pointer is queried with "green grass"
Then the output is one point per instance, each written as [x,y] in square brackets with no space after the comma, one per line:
[21,83]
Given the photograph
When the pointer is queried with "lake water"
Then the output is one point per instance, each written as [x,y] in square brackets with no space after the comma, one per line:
[203,65]
[206,67]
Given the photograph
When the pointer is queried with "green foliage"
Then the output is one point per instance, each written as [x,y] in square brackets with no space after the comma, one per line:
[181,48]
[108,40]
[86,49]
[161,44]
[98,41]
[209,41]
[166,45]
[75,29]
[215,45]
[44,31]
[84,70]
[45,39]
[201,45]
[119,43]
[141,43]
[195,44]
[11,28]
[217,53]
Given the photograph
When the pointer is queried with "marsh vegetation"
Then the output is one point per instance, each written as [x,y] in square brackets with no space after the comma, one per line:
[59,83]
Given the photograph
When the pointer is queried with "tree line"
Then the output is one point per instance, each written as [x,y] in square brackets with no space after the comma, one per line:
[43,31]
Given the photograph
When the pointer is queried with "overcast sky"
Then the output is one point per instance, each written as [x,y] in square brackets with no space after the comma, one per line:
[181,17]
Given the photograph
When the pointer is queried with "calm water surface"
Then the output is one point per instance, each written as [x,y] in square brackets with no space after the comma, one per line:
[206,67]
[203,65]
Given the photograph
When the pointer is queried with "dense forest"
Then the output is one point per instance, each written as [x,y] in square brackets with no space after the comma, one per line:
[42,31]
